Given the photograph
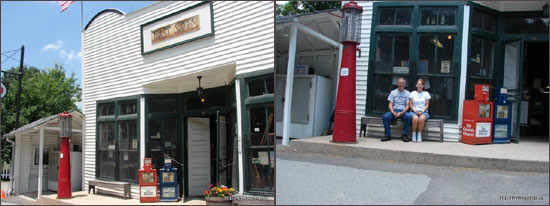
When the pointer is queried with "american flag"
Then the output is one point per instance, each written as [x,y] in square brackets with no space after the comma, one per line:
[64,4]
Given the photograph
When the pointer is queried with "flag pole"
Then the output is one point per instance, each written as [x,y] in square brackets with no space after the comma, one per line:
[82,15]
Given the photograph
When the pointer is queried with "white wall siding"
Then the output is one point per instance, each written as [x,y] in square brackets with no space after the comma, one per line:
[24,163]
[114,67]
[363,63]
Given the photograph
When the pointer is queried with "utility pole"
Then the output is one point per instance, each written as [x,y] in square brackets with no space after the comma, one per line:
[19,89]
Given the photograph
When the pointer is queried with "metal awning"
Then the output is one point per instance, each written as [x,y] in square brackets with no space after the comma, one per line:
[322,22]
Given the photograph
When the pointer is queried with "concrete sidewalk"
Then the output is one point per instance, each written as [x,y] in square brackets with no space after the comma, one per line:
[83,198]
[527,156]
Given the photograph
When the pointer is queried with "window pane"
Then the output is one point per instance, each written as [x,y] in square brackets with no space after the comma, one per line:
[45,155]
[214,100]
[384,53]
[107,109]
[477,20]
[386,16]
[426,54]
[480,69]
[106,164]
[445,54]
[489,22]
[127,108]
[401,51]
[383,86]
[256,87]
[162,140]
[162,105]
[257,119]
[487,61]
[127,135]
[522,25]
[269,84]
[128,165]
[106,150]
[403,16]
[262,167]
[475,57]
[438,16]
[441,90]
[107,136]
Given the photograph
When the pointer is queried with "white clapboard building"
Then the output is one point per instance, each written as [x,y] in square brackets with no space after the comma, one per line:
[188,80]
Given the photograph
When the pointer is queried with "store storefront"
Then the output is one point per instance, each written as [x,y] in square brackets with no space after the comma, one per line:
[451,45]
[190,81]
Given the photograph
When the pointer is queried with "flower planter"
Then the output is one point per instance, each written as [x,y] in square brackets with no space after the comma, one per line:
[217,201]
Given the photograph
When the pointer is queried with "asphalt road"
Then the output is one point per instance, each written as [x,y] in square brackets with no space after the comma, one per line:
[320,179]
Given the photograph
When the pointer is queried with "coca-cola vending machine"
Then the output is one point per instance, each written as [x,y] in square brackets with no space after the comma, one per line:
[477,118]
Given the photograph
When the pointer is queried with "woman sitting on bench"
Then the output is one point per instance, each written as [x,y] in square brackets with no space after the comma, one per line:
[420,101]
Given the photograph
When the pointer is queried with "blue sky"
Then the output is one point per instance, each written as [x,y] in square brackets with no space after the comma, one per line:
[50,36]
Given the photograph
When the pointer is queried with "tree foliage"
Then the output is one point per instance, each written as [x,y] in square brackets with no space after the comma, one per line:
[44,93]
[299,7]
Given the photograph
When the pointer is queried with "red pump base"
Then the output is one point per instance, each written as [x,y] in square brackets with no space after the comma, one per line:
[344,115]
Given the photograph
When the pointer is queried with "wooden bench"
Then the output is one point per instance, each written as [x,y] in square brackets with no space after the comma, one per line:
[399,123]
[125,186]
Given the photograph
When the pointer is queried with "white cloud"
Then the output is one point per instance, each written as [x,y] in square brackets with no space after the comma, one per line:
[53,46]
[70,55]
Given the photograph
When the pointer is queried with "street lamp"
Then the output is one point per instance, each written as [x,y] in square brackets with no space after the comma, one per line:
[64,181]
[344,115]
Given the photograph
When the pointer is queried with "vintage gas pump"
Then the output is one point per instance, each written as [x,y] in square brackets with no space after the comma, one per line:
[502,123]
[344,115]
[148,182]
[64,175]
[168,182]
[477,118]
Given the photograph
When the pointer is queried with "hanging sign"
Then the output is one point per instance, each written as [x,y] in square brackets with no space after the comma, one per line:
[190,24]
[4,90]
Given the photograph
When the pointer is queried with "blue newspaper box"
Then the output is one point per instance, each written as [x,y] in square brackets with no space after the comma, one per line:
[168,182]
[502,121]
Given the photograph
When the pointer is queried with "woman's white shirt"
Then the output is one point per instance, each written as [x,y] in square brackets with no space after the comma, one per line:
[419,100]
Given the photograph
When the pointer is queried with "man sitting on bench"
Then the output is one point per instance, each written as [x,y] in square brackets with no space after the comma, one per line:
[399,105]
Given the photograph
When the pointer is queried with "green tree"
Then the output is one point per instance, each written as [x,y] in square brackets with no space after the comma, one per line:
[299,7]
[44,93]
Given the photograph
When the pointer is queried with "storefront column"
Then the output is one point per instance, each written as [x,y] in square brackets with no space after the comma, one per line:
[239,135]
[40,159]
[289,83]
[463,62]
[141,130]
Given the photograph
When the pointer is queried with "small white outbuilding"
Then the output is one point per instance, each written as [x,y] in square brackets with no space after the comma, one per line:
[36,145]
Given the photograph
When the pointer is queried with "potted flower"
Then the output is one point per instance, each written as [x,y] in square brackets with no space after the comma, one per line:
[219,195]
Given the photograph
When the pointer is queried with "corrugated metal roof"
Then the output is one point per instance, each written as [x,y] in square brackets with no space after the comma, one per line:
[36,123]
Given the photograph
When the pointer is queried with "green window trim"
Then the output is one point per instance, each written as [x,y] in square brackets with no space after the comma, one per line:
[414,31]
[116,119]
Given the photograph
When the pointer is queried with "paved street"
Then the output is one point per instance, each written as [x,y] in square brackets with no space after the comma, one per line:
[320,179]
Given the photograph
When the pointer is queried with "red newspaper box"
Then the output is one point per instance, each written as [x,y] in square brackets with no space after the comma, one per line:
[477,118]
[148,182]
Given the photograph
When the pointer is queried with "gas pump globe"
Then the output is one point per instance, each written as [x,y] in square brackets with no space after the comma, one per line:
[65,124]
[351,23]
[344,114]
[64,180]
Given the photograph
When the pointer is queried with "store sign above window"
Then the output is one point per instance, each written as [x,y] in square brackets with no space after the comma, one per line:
[184,26]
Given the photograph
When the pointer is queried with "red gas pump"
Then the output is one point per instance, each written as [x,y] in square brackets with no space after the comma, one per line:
[344,115]
[64,180]
[148,182]
[477,118]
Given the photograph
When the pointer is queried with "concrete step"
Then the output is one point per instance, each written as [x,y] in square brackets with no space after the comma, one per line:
[433,153]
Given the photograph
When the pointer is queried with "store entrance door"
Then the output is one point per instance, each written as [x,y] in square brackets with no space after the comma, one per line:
[512,74]
[198,155]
